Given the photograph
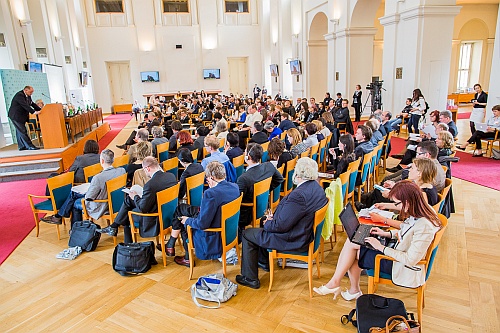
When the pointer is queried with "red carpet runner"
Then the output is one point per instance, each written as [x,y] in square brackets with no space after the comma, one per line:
[17,218]
[117,122]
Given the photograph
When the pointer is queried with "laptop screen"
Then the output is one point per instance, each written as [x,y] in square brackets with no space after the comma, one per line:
[349,220]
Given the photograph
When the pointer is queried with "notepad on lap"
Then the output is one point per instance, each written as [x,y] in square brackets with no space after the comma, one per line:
[135,188]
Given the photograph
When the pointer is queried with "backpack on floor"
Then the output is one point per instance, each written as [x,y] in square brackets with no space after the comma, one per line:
[134,258]
[84,234]
[373,311]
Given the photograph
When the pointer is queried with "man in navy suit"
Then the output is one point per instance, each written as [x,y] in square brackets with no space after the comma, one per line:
[291,227]
[207,244]
[148,225]
[285,123]
[20,108]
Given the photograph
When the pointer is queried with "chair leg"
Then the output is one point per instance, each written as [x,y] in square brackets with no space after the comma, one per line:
[371,285]
[334,234]
[310,275]
[115,240]
[420,301]
[271,271]
[37,224]
[191,262]
[317,266]
[163,254]
[58,231]
[224,264]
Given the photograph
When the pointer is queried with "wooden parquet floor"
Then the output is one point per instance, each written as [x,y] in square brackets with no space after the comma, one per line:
[40,293]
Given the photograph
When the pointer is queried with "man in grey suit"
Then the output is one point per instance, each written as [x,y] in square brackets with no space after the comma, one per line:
[97,190]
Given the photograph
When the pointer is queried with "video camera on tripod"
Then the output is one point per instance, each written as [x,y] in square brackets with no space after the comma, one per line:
[375,89]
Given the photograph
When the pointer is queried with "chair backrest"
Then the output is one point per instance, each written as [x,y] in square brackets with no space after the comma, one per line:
[194,189]
[171,165]
[321,151]
[261,197]
[115,194]
[353,174]
[314,152]
[167,203]
[432,250]
[365,170]
[194,154]
[306,153]
[162,151]
[238,162]
[230,215]
[274,197]
[265,155]
[447,186]
[319,220]
[287,185]
[344,179]
[121,161]
[222,142]
[283,136]
[60,188]
[437,206]
[387,143]
[91,170]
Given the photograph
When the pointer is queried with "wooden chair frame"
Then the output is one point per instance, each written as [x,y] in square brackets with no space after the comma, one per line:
[163,197]
[374,279]
[60,181]
[91,170]
[192,183]
[353,169]
[228,211]
[112,185]
[171,165]
[312,253]
[121,161]
[365,169]
[238,163]
[259,188]
[162,151]
[275,195]
[287,185]
[491,142]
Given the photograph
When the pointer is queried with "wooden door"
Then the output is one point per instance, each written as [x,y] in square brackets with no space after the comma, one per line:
[120,83]
[238,75]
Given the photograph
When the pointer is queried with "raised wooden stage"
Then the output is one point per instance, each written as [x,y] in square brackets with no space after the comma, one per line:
[31,164]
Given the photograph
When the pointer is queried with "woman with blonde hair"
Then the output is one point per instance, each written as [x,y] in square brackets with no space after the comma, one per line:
[445,143]
[139,152]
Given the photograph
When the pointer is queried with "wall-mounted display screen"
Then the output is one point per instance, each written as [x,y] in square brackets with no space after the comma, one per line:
[35,67]
[150,76]
[295,67]
[211,74]
[274,70]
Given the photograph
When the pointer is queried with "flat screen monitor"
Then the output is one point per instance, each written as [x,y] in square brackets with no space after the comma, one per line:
[211,74]
[295,67]
[84,78]
[150,76]
[274,70]
[35,67]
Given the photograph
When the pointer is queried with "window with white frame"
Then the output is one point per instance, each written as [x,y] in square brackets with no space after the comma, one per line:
[175,6]
[108,6]
[464,65]
[233,6]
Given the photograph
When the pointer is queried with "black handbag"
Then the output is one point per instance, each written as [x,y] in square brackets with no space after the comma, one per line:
[84,234]
[134,258]
[373,311]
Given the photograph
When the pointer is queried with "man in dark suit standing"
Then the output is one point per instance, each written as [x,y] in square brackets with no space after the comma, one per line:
[255,172]
[289,229]
[20,108]
[148,226]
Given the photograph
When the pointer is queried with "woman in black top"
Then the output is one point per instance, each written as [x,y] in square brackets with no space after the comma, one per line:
[278,155]
[191,169]
[232,148]
[341,162]
[479,104]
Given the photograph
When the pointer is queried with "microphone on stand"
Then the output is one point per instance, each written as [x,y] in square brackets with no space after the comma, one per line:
[51,100]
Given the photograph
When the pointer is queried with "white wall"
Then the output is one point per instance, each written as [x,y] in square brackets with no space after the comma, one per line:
[180,69]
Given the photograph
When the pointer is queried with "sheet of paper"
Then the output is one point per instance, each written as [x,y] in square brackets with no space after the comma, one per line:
[82,188]
[366,212]
[135,188]
[429,129]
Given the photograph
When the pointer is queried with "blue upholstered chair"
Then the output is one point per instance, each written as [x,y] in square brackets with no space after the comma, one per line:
[167,203]
[162,151]
[287,185]
[353,175]
[238,163]
[90,171]
[171,165]
[59,188]
[274,196]
[309,256]
[194,189]
[230,215]
[375,277]
[260,200]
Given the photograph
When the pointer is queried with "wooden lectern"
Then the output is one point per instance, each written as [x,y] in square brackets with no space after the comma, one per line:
[53,127]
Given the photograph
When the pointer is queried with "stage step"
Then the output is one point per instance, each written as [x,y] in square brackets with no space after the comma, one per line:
[25,170]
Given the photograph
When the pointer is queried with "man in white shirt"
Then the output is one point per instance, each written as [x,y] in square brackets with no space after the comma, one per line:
[252,117]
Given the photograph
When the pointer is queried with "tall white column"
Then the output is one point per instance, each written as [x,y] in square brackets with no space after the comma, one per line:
[421,46]
[494,87]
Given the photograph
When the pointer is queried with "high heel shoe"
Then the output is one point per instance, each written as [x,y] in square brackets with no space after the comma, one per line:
[461,148]
[349,297]
[324,290]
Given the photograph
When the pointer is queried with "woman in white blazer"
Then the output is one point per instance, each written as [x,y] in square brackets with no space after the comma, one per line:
[413,239]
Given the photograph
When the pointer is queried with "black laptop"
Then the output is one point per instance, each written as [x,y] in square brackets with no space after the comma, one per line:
[356,231]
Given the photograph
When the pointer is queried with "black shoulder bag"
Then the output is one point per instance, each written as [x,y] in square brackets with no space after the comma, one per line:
[134,258]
